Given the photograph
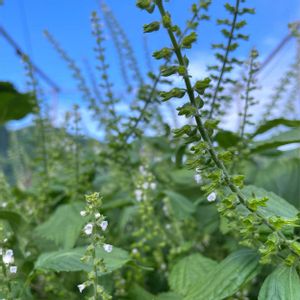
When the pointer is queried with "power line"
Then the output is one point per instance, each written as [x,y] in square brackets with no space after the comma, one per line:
[20,53]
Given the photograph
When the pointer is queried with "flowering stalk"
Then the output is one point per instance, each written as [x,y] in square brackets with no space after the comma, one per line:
[8,268]
[192,109]
[94,229]
[106,85]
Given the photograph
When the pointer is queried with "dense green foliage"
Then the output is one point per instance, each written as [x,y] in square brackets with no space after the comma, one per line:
[195,212]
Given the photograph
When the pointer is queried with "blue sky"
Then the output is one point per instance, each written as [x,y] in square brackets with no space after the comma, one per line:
[69,22]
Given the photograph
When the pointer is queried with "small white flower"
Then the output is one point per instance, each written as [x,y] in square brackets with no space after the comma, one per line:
[81,287]
[107,247]
[13,269]
[83,213]
[168,226]
[8,257]
[212,197]
[104,225]
[97,215]
[146,185]
[88,229]
[138,195]
[4,204]
[135,251]
[198,178]
[142,170]
[152,185]
[163,266]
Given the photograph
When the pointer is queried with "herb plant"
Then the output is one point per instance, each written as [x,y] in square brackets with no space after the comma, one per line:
[190,212]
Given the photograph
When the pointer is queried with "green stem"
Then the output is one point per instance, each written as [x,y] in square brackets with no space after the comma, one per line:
[237,4]
[6,280]
[95,273]
[204,134]
[247,96]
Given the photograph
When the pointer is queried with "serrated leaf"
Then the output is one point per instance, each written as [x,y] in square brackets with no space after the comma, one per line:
[69,260]
[227,278]
[64,226]
[282,284]
[188,271]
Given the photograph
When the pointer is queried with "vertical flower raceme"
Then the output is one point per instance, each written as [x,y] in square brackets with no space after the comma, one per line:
[9,270]
[94,231]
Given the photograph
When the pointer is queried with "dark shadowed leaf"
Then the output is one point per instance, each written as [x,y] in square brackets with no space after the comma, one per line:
[282,284]
[227,278]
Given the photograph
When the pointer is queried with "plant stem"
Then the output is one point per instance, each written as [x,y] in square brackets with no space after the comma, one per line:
[237,4]
[95,272]
[245,114]
[205,136]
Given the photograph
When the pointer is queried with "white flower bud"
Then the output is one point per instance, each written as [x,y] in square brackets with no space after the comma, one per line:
[83,213]
[107,247]
[81,287]
[138,195]
[104,225]
[8,257]
[88,229]
[198,178]
[13,269]
[212,197]
[152,185]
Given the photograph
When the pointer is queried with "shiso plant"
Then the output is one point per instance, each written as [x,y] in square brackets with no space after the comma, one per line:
[187,212]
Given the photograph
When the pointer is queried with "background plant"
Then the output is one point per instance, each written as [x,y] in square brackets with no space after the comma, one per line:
[192,212]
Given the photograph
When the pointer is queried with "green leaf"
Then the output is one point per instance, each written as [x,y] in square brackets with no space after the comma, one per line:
[227,278]
[181,206]
[138,293]
[282,284]
[284,138]
[69,260]
[274,123]
[64,226]
[227,139]
[188,271]
[168,296]
[281,176]
[276,206]
[13,105]
[14,219]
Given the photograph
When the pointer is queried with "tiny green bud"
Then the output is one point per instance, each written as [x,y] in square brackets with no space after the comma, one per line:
[154,26]
[143,4]
[174,93]
[168,70]
[211,124]
[187,110]
[182,70]
[189,40]
[163,53]
[201,85]
[167,22]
